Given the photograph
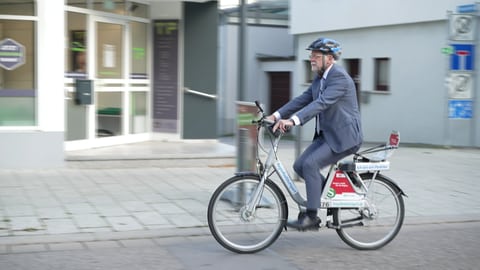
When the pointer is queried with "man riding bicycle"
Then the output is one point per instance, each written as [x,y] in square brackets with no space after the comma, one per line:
[332,100]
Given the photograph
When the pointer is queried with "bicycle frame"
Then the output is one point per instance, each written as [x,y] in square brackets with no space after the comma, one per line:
[339,192]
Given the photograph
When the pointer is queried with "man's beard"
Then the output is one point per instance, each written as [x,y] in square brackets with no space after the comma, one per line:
[319,70]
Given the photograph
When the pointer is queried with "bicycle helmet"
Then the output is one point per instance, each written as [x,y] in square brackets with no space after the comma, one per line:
[326,46]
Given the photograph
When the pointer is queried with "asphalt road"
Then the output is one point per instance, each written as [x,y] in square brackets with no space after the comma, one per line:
[425,246]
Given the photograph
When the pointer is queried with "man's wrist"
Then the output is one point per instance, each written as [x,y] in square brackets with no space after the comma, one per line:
[277,116]
[295,120]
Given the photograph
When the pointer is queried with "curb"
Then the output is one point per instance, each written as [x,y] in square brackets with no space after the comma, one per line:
[174,232]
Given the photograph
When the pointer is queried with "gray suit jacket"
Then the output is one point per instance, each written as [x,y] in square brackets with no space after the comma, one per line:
[336,106]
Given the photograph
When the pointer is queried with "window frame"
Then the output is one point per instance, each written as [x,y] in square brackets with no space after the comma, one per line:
[34,20]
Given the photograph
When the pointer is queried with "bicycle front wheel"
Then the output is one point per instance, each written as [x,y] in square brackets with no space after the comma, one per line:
[234,227]
[376,224]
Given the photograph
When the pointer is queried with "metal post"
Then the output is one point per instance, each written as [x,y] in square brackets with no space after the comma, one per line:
[241,51]
[243,143]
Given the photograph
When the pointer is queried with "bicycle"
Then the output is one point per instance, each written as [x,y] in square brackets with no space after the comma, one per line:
[248,212]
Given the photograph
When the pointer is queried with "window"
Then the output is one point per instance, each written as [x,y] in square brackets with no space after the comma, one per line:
[17,7]
[139,50]
[109,52]
[17,71]
[309,74]
[139,76]
[382,74]
[76,52]
[112,6]
[78,3]
[137,10]
[353,68]
[120,7]
[17,64]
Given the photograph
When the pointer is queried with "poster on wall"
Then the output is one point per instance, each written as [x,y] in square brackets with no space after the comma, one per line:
[109,54]
[165,76]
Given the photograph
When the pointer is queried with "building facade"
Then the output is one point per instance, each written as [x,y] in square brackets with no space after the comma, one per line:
[415,64]
[76,74]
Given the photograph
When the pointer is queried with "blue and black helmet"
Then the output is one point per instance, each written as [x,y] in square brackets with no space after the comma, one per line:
[326,46]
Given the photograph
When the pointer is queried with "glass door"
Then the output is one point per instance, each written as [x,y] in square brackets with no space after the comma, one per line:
[111,69]
[113,54]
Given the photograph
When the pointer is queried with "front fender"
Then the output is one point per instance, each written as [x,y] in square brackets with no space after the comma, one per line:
[247,173]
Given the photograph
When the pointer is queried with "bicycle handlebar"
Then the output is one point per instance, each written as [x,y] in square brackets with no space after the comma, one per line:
[263,121]
[257,103]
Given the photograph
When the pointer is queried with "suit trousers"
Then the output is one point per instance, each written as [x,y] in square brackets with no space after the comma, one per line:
[308,165]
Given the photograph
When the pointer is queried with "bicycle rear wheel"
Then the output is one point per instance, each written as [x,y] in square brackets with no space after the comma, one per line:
[378,223]
[231,224]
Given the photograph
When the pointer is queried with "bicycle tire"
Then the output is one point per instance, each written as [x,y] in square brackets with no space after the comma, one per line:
[233,228]
[370,232]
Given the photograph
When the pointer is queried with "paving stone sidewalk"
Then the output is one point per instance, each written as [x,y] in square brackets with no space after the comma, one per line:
[97,201]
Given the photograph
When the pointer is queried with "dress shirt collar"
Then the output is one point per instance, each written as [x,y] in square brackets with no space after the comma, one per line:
[326,72]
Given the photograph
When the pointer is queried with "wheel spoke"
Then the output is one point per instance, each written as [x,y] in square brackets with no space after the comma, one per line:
[231,223]
[380,220]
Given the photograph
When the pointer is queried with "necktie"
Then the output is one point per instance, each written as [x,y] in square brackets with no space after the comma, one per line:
[322,82]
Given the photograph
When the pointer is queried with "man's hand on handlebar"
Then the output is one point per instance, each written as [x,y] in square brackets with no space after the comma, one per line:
[271,118]
[283,125]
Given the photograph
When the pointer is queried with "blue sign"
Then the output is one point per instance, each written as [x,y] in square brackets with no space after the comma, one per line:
[463,57]
[460,109]
[471,8]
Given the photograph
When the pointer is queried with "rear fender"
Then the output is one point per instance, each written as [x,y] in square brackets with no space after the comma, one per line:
[391,181]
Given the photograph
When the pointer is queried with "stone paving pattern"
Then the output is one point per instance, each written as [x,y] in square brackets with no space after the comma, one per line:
[145,193]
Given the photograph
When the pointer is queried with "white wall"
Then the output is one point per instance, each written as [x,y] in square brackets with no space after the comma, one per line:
[416,100]
[271,41]
[50,65]
[307,16]
[166,10]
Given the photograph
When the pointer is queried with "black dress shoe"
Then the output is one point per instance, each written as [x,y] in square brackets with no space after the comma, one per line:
[304,222]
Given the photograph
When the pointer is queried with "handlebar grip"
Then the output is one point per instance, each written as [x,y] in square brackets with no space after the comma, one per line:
[269,122]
